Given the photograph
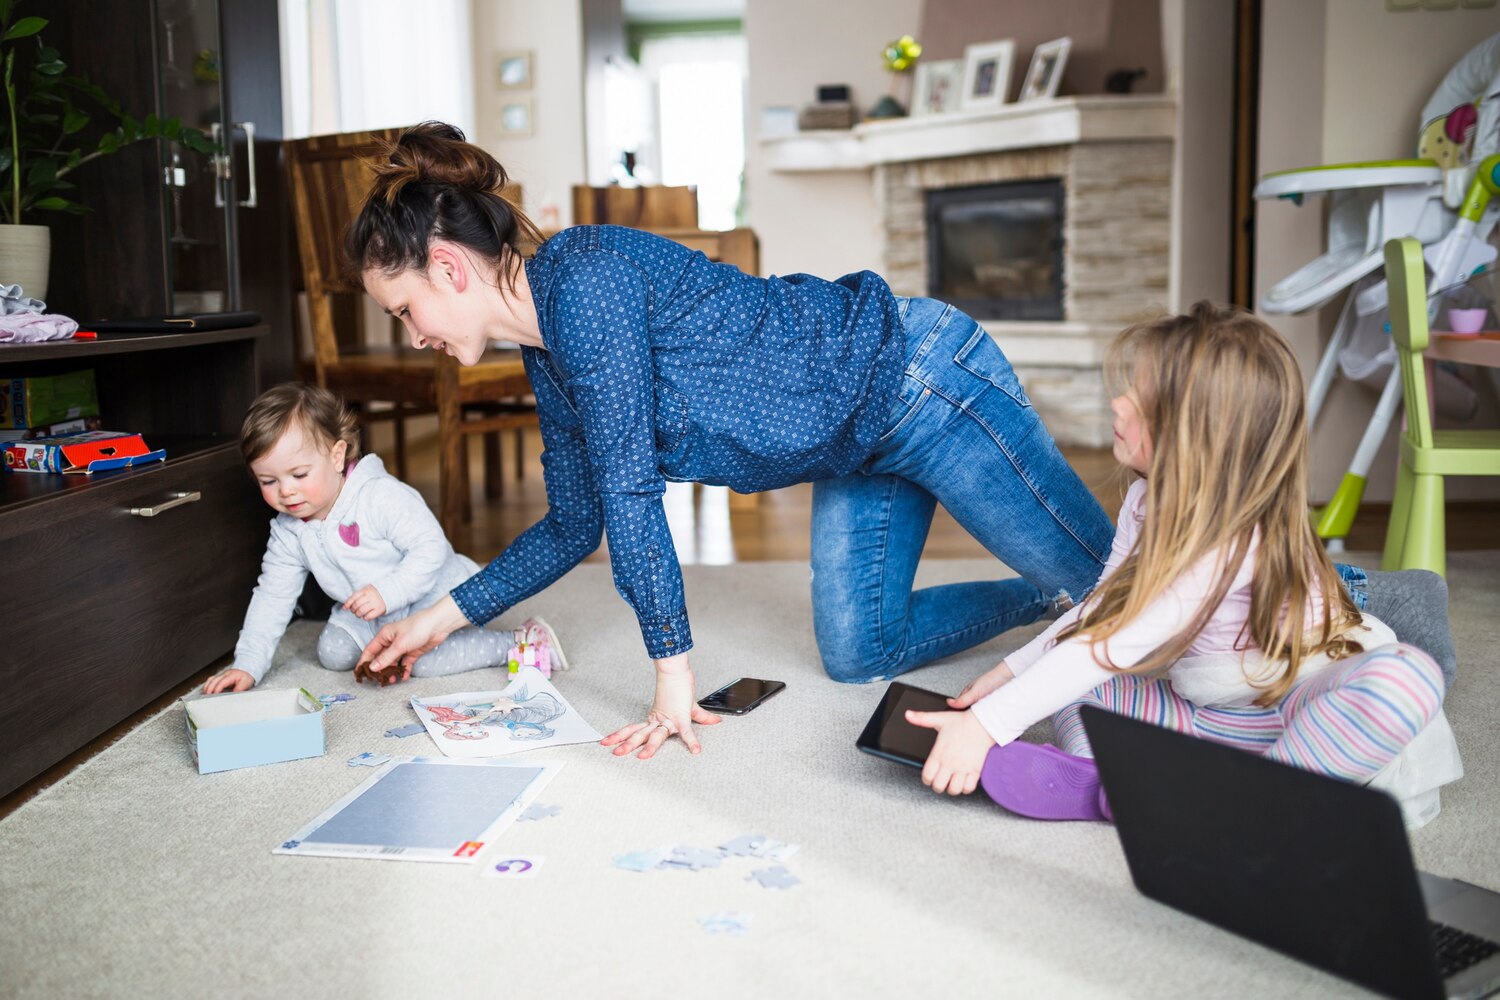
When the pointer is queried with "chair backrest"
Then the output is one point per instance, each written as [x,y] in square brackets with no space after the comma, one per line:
[653,207]
[329,176]
[1406,274]
[739,247]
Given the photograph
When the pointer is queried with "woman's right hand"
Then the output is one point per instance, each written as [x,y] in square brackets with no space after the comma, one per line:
[982,685]
[399,644]
[229,680]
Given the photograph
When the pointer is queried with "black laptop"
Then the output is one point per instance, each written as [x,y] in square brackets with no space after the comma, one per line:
[1317,868]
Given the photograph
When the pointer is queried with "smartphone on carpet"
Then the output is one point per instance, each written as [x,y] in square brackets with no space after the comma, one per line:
[741,696]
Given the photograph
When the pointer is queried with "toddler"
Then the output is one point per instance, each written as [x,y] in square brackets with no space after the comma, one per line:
[367,538]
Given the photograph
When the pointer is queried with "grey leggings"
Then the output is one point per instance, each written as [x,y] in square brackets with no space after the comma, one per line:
[467,649]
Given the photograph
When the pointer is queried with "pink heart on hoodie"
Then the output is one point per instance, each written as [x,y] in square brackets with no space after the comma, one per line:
[350,534]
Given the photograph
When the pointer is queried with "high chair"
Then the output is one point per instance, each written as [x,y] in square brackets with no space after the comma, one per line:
[1372,204]
[1415,538]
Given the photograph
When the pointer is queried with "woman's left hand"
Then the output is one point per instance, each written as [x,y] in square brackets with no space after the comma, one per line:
[672,714]
[958,756]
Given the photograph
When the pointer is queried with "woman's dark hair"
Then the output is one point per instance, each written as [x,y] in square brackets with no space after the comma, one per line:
[431,184]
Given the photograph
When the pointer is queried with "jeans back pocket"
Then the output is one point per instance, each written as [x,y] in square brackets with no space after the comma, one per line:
[982,357]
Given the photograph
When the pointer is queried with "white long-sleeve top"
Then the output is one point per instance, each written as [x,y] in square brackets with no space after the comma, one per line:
[1216,669]
[379,532]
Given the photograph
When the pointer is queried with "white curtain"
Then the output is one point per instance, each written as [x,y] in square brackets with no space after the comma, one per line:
[352,65]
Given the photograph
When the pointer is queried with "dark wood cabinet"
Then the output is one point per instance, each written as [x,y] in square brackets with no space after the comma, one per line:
[108,609]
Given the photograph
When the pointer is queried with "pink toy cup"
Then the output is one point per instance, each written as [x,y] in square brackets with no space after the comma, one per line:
[1466,321]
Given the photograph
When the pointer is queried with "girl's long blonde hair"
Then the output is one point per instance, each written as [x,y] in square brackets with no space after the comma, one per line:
[1221,396]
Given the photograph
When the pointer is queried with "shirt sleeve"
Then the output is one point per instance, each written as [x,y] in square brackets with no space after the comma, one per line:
[405,520]
[282,575]
[599,305]
[572,527]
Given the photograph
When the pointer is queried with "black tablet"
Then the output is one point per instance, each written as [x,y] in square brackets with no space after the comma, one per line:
[889,735]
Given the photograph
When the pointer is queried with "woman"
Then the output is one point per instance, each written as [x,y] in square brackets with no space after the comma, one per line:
[649,362]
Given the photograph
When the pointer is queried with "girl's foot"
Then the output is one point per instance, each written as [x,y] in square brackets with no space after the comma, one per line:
[1042,782]
[537,631]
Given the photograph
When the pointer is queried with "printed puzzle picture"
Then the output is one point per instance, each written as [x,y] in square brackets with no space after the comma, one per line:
[529,713]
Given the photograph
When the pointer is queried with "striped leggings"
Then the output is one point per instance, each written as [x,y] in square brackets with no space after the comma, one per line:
[1348,720]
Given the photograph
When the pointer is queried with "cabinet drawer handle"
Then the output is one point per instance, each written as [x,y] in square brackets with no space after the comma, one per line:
[178,499]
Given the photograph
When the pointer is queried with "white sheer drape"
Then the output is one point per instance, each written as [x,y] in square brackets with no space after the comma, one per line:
[352,65]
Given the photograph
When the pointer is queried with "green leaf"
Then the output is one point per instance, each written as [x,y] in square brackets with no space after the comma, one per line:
[109,142]
[73,120]
[25,28]
[4,11]
[53,204]
[4,159]
[152,125]
[43,171]
[130,127]
[53,68]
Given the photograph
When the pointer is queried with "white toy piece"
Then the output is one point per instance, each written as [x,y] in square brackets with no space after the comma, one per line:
[536,645]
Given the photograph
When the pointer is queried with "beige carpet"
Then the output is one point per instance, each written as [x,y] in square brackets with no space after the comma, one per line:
[138,877]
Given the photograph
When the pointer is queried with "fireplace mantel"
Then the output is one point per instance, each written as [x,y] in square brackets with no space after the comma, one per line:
[1047,122]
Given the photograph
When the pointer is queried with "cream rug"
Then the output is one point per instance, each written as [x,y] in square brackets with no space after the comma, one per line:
[136,876]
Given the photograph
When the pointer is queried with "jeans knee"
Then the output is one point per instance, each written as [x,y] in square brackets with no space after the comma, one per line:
[853,663]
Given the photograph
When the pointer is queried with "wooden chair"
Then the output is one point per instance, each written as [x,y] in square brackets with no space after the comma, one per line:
[656,207]
[1416,536]
[328,180]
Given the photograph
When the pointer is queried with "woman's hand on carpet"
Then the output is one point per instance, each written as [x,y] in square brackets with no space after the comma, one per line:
[401,643]
[229,680]
[672,714]
[982,685]
[958,756]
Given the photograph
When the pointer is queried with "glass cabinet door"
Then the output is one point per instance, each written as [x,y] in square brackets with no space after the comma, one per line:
[199,217]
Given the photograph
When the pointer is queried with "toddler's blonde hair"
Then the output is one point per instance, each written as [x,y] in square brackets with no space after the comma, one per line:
[1221,396]
[320,413]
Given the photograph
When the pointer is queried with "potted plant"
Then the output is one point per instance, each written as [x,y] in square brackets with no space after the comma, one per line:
[45,136]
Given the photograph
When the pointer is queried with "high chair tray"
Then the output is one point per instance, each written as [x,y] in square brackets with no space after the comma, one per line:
[1343,176]
[1320,279]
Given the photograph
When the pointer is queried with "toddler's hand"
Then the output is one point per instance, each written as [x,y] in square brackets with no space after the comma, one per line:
[982,685]
[958,756]
[229,680]
[366,602]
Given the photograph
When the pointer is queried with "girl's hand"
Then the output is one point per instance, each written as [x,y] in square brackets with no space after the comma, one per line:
[403,642]
[229,680]
[956,759]
[366,602]
[672,714]
[982,685]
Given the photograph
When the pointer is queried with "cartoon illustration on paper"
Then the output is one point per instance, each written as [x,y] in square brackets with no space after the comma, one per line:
[530,712]
[524,716]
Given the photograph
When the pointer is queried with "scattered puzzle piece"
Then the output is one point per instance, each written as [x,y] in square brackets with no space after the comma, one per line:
[368,759]
[330,700]
[694,858]
[639,861]
[538,811]
[726,922]
[774,878]
[404,731]
[744,846]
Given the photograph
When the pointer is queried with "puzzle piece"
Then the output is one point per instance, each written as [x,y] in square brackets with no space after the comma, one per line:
[538,811]
[774,878]
[404,731]
[368,759]
[330,700]
[694,858]
[639,861]
[726,922]
[744,846]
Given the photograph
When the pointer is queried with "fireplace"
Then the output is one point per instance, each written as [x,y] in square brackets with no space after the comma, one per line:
[996,250]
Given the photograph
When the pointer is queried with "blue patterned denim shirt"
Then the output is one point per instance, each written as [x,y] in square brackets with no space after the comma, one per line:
[660,364]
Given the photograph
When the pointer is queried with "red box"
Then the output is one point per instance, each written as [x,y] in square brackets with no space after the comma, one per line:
[91,451]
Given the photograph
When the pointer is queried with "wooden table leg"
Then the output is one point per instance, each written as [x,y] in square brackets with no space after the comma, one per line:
[450,449]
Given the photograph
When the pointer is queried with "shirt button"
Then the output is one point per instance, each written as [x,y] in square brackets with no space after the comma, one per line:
[666,628]
[669,643]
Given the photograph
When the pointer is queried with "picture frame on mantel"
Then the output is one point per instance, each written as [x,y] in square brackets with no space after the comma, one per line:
[936,86]
[987,69]
[1046,70]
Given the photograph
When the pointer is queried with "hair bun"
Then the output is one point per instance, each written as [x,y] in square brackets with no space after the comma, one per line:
[435,153]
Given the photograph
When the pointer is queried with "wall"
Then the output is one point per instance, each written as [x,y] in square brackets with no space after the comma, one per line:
[1341,81]
[551,160]
[824,224]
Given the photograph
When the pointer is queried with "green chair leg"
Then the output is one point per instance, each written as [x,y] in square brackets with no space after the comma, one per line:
[1395,531]
[1426,542]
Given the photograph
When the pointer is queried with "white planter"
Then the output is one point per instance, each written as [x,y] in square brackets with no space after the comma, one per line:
[25,253]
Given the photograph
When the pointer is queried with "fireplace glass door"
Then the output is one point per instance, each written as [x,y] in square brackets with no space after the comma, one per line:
[996,251]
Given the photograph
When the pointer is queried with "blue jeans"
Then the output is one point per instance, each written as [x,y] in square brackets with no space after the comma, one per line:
[961,433]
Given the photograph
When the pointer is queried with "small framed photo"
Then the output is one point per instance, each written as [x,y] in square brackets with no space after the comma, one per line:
[1047,65]
[516,117]
[987,74]
[513,70]
[936,86]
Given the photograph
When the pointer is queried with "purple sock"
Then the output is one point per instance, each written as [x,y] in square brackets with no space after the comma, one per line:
[1043,782]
